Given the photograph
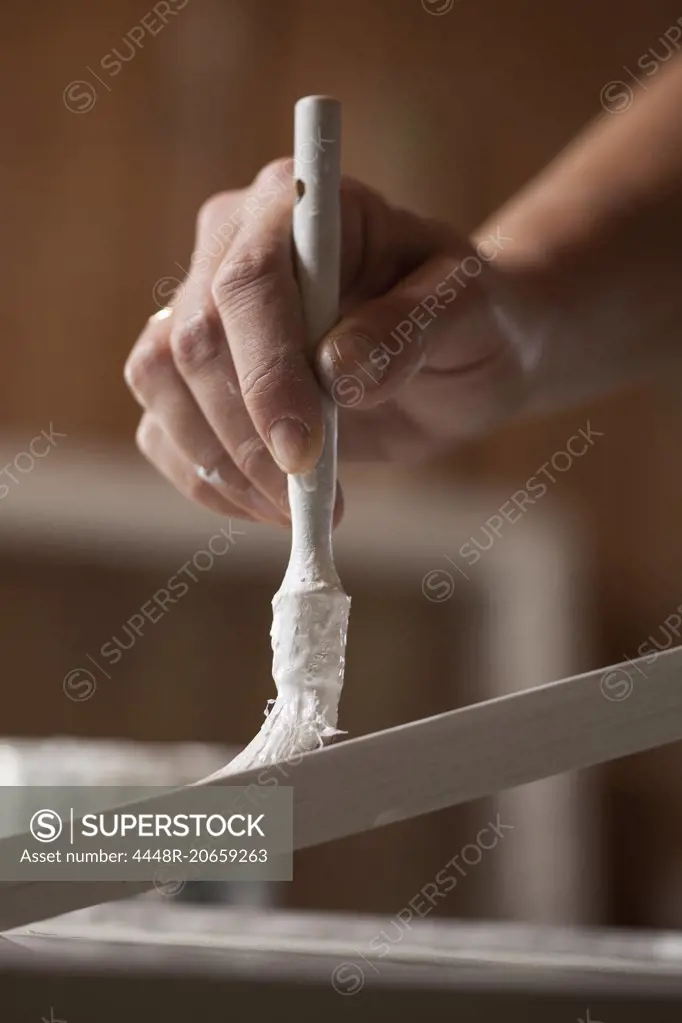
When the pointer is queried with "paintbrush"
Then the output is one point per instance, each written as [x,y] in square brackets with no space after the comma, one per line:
[310,610]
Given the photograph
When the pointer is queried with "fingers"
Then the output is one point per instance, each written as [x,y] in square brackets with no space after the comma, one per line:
[155,382]
[203,364]
[181,370]
[438,330]
[163,454]
[158,448]
[370,356]
[228,381]
[203,356]
[152,377]
[257,300]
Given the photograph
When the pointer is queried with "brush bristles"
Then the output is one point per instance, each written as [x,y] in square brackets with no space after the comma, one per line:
[294,724]
[309,627]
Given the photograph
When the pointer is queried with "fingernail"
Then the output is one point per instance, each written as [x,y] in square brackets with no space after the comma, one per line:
[346,348]
[290,443]
[352,351]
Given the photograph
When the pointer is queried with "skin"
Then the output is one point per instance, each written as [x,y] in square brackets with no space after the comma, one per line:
[571,289]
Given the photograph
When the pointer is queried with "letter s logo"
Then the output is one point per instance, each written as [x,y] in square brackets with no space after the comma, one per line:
[46,825]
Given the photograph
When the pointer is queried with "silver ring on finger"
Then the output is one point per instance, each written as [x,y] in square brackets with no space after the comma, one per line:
[161,314]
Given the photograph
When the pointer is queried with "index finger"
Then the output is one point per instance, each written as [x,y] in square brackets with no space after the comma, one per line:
[257,298]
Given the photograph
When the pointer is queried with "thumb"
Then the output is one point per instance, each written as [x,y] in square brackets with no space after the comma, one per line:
[372,353]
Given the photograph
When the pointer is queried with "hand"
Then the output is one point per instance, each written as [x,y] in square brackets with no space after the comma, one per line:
[417,360]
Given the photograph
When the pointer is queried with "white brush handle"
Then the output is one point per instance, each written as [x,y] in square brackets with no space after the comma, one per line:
[310,609]
[317,248]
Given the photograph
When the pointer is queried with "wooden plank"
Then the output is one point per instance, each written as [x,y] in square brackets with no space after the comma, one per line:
[123,981]
[494,952]
[441,761]
[131,956]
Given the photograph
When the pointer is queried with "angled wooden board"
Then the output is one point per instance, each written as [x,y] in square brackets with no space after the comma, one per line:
[441,761]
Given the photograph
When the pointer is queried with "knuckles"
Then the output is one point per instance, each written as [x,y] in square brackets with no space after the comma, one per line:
[279,171]
[195,342]
[150,356]
[262,383]
[233,209]
[213,211]
[243,273]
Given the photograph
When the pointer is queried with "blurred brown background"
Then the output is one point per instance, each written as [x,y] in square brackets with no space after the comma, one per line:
[448,113]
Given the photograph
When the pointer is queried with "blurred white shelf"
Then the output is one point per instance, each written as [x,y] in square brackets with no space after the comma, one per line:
[107,503]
